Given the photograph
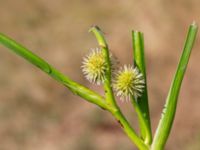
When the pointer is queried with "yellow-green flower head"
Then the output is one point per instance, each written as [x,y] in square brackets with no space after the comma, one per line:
[129,82]
[94,66]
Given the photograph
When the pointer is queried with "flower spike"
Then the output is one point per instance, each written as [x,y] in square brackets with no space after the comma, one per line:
[129,81]
[94,66]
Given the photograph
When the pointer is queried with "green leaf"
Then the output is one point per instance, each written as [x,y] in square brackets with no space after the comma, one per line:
[76,88]
[142,102]
[169,110]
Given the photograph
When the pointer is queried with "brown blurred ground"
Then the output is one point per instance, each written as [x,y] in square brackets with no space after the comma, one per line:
[36,113]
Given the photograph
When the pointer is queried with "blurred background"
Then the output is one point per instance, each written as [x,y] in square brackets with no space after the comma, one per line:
[37,113]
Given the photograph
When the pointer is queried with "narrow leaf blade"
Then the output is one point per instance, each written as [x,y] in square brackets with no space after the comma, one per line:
[139,62]
[51,71]
[169,110]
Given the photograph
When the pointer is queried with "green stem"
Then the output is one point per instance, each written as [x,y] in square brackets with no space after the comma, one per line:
[76,88]
[168,114]
[107,83]
[139,62]
[141,119]
[129,130]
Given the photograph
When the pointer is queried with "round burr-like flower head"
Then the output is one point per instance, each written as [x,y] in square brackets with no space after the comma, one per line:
[129,82]
[94,66]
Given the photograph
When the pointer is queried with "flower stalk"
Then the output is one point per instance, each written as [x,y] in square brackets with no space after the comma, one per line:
[108,73]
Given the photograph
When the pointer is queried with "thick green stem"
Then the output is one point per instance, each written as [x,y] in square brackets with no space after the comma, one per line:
[129,130]
[168,114]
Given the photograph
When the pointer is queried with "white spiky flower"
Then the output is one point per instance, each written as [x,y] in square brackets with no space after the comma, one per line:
[94,66]
[129,82]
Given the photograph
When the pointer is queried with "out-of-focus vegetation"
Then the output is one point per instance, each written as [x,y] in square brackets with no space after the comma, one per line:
[38,113]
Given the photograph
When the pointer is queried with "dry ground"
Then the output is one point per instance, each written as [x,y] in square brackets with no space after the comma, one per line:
[36,113]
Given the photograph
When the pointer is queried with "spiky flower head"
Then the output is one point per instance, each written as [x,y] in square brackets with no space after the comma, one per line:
[129,82]
[94,66]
